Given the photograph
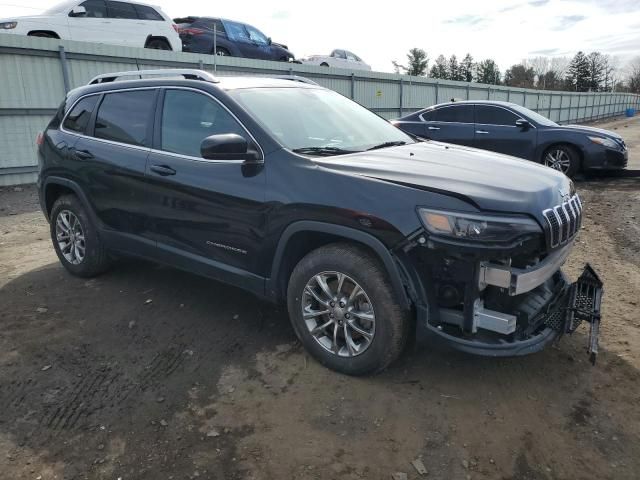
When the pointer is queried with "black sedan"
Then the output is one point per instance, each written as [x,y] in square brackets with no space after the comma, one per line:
[514,130]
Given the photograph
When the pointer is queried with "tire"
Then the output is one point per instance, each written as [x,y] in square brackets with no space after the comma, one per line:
[223,52]
[387,334]
[324,64]
[563,158]
[158,44]
[94,260]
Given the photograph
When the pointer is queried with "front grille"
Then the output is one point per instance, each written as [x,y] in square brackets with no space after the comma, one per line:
[563,221]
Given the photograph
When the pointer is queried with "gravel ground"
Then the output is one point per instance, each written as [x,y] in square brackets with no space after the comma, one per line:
[151,373]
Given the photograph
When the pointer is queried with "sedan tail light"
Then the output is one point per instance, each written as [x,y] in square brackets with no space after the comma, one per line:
[191,31]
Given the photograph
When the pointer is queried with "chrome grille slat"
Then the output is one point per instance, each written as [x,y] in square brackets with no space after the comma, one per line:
[564,221]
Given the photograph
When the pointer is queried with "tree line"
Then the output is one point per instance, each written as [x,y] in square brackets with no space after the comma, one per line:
[593,72]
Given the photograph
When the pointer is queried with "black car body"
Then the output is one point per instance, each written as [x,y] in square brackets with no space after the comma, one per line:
[232,38]
[514,130]
[202,175]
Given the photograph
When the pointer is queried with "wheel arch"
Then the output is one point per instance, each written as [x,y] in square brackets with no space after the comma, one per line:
[55,187]
[34,33]
[302,237]
[157,37]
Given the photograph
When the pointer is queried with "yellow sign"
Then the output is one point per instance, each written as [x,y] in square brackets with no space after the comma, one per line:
[378,93]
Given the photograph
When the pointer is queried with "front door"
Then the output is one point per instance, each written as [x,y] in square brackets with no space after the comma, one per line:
[208,216]
[496,130]
[95,25]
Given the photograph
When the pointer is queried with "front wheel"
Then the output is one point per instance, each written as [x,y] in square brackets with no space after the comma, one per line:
[342,307]
[158,44]
[562,158]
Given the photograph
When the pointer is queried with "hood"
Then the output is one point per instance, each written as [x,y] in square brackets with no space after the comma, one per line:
[280,45]
[490,181]
[591,131]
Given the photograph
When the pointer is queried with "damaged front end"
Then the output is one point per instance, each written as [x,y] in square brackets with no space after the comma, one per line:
[501,300]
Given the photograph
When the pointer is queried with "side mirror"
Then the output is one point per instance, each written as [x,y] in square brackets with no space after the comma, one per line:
[269,42]
[227,146]
[523,124]
[78,11]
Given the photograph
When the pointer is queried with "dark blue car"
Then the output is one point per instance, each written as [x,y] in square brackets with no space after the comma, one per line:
[514,130]
[233,39]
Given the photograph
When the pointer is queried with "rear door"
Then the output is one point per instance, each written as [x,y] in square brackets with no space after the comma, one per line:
[208,216]
[112,157]
[450,124]
[125,24]
[496,130]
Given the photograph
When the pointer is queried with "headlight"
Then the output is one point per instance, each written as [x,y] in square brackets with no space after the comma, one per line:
[481,228]
[605,142]
[8,25]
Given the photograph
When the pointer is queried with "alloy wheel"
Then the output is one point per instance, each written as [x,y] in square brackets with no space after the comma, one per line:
[558,160]
[338,314]
[70,237]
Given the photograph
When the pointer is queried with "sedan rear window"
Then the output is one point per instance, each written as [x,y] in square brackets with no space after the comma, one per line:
[455,114]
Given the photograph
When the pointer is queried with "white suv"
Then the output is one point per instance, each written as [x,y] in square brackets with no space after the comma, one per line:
[103,21]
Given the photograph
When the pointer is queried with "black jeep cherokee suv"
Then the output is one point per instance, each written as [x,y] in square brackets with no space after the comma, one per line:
[294,192]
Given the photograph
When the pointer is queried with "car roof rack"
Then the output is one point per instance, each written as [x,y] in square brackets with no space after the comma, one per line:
[189,74]
[294,78]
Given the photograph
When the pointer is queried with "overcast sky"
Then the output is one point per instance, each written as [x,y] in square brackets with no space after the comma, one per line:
[380,32]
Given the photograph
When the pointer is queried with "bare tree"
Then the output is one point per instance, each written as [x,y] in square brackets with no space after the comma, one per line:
[633,75]
[540,66]
[559,66]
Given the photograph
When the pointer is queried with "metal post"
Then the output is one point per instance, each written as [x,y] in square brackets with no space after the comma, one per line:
[215,47]
[561,108]
[65,69]
[509,95]
[538,102]
[468,91]
[578,111]
[488,93]
[353,86]
[550,102]
[401,92]
[524,99]
[200,64]
[437,88]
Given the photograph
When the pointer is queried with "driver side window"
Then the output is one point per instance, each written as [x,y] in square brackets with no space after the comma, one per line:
[95,8]
[189,117]
[257,36]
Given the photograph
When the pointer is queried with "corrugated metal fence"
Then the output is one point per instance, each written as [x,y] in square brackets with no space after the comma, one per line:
[36,72]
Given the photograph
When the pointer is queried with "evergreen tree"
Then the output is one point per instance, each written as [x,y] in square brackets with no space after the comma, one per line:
[597,67]
[579,72]
[520,76]
[488,72]
[453,69]
[439,69]
[466,68]
[418,61]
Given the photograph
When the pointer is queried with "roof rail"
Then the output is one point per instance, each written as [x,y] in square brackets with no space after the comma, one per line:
[190,74]
[294,78]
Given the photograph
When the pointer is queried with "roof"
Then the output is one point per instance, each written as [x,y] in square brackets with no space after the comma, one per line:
[475,102]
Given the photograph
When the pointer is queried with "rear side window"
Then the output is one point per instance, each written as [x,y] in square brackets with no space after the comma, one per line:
[147,13]
[456,114]
[95,8]
[488,115]
[190,117]
[121,10]
[79,116]
[208,24]
[125,117]
[429,116]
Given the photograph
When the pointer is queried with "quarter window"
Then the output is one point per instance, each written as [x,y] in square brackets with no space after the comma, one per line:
[147,13]
[125,117]
[95,8]
[121,10]
[429,116]
[455,114]
[190,117]
[79,116]
[489,115]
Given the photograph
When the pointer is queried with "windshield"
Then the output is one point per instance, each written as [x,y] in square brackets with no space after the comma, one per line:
[308,118]
[63,7]
[536,117]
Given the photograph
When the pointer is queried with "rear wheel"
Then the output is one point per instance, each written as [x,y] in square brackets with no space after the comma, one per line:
[75,238]
[42,34]
[158,44]
[324,64]
[562,158]
[223,52]
[342,307]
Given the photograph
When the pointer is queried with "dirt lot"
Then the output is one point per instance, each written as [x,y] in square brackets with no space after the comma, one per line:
[151,373]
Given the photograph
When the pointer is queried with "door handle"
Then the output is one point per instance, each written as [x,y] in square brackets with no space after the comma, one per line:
[481,132]
[433,128]
[82,155]
[163,170]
